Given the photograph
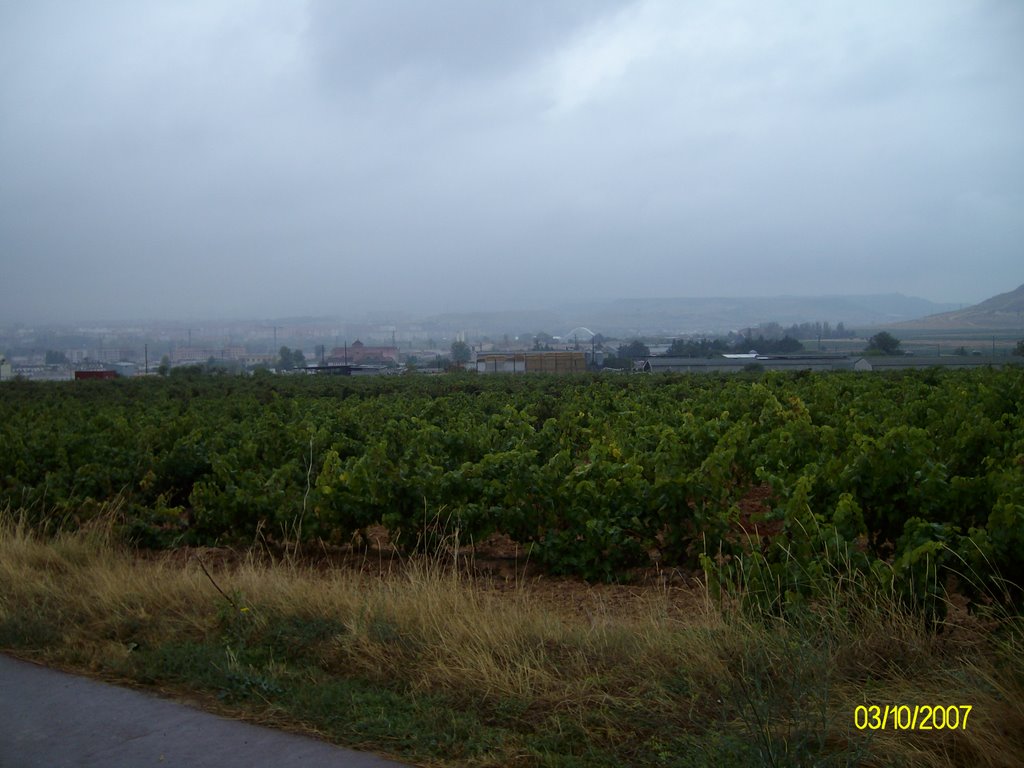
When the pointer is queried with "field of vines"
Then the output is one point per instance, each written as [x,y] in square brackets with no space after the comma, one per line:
[913,479]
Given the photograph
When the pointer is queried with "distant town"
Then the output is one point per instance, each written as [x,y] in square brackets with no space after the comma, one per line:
[321,347]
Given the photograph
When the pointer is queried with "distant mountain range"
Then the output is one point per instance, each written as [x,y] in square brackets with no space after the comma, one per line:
[1002,312]
[681,316]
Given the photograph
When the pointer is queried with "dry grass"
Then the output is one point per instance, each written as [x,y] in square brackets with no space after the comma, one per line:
[663,678]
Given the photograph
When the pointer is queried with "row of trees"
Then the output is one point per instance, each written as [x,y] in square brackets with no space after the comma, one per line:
[706,348]
[818,331]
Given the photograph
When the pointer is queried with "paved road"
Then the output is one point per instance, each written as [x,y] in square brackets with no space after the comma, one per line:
[51,719]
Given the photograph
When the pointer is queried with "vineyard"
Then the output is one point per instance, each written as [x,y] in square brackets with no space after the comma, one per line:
[913,480]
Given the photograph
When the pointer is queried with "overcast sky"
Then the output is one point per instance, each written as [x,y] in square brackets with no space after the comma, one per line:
[259,158]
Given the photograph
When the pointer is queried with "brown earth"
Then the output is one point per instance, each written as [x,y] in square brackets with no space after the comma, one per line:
[497,563]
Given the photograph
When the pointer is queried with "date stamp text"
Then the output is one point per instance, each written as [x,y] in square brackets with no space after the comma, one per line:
[906,717]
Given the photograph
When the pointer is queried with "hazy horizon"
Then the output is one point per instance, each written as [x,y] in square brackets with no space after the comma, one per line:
[718,313]
[231,160]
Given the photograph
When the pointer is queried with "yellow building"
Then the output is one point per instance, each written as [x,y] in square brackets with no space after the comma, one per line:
[531,362]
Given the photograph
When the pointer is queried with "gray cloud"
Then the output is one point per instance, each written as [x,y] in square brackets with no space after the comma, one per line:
[266,158]
[358,44]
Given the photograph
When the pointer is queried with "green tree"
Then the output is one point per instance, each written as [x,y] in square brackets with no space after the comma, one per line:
[284,359]
[165,366]
[461,352]
[289,359]
[697,348]
[542,341]
[883,343]
[785,345]
[634,350]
